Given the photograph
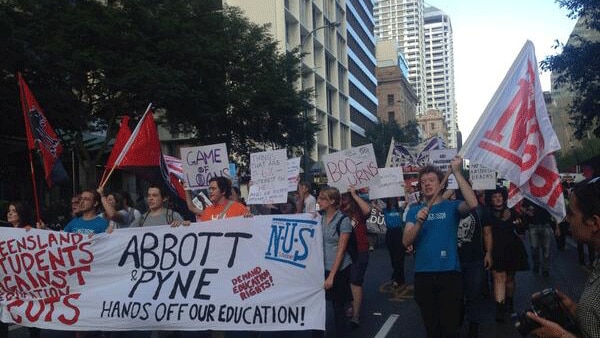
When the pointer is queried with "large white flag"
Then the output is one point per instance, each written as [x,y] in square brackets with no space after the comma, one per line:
[514,135]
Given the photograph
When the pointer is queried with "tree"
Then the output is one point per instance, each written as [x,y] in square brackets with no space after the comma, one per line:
[381,134]
[210,70]
[578,65]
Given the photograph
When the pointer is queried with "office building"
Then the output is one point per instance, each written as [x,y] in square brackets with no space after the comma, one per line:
[362,78]
[439,69]
[311,26]
[403,21]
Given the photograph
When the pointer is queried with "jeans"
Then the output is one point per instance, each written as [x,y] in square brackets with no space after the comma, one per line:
[440,299]
[472,278]
[540,236]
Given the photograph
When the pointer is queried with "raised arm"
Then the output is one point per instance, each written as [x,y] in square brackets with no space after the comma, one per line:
[365,209]
[190,203]
[470,202]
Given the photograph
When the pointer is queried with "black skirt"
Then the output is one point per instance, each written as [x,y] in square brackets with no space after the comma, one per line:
[509,253]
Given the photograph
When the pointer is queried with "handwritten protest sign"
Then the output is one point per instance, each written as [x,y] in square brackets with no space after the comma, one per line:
[293,173]
[391,184]
[482,177]
[441,159]
[200,164]
[262,274]
[354,167]
[269,175]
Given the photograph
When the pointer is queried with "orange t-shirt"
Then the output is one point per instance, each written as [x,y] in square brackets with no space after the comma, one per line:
[214,211]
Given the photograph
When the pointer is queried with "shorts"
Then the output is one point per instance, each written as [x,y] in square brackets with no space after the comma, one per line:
[358,268]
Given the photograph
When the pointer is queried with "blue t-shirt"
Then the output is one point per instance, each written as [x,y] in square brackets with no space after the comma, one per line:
[393,218]
[436,245]
[95,225]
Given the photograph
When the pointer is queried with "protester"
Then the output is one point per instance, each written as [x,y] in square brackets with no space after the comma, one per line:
[357,209]
[475,255]
[133,214]
[89,222]
[76,206]
[541,225]
[508,252]
[19,216]
[337,260]
[393,240]
[305,202]
[157,213]
[219,192]
[584,217]
[432,230]
[114,210]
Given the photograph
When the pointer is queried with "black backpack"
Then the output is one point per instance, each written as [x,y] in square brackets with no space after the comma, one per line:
[352,247]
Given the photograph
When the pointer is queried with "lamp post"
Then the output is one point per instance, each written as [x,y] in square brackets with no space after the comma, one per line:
[303,40]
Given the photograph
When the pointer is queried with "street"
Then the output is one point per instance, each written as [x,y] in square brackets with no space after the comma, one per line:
[385,314]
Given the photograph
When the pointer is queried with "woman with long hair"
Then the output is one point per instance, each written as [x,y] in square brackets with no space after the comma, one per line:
[19,216]
[508,251]
[358,210]
[336,233]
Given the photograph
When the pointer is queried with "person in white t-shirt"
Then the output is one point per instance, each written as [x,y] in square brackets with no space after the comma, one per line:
[305,202]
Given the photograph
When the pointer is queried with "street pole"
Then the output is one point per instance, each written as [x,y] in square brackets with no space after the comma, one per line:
[303,40]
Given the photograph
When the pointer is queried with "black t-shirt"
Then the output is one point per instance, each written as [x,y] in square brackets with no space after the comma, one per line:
[470,237]
[540,215]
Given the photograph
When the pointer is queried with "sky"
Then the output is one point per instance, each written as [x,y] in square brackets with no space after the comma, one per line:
[488,36]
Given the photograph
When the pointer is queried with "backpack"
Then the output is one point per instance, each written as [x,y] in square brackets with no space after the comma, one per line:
[352,247]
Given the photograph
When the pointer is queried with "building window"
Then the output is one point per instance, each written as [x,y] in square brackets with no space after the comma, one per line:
[432,126]
[391,116]
[390,99]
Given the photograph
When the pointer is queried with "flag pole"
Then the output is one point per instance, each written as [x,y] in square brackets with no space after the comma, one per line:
[24,108]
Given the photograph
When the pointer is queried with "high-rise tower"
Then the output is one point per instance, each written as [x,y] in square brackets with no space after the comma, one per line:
[439,69]
[403,21]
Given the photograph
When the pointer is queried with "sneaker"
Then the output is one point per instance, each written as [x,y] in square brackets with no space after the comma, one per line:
[349,312]
[355,322]
[371,248]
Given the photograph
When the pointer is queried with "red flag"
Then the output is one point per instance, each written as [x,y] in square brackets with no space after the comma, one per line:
[41,136]
[141,154]
[142,149]
[121,139]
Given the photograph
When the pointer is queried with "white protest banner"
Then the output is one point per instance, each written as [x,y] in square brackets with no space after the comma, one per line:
[200,164]
[441,159]
[268,170]
[354,167]
[391,184]
[293,173]
[482,177]
[262,274]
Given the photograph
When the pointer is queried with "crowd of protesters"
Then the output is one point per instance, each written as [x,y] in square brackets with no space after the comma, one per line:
[455,236]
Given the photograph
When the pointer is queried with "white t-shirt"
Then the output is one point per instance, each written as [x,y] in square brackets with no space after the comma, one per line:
[310,204]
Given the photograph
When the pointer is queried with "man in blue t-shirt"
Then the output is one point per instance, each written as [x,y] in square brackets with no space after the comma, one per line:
[432,230]
[89,222]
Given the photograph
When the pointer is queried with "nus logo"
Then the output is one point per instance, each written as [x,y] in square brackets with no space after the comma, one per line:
[288,241]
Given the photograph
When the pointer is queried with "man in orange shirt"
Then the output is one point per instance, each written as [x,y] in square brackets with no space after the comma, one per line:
[219,192]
